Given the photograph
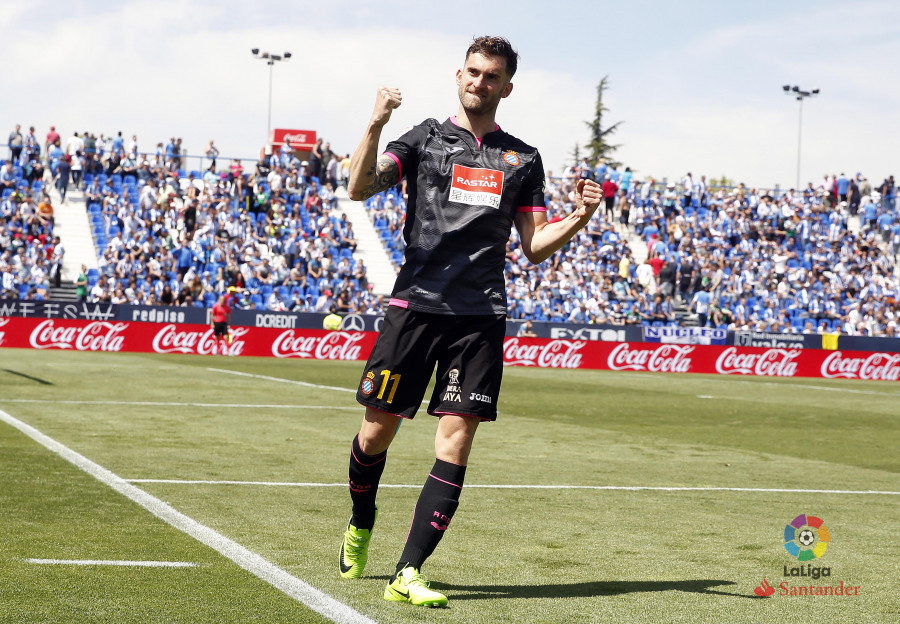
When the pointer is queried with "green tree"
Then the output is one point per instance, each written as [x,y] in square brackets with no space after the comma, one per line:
[576,153]
[599,145]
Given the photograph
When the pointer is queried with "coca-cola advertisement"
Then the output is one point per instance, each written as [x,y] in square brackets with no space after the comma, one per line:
[66,334]
[352,345]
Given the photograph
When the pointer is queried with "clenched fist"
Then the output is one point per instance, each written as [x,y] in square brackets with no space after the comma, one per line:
[387,99]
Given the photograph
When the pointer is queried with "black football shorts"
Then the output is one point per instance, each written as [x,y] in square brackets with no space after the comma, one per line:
[466,351]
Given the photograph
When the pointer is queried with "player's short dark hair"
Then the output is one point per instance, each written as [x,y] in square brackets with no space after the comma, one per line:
[495,46]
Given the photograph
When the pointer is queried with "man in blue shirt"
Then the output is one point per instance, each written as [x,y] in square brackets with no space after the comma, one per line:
[118,145]
[700,305]
[886,224]
[843,185]
[871,214]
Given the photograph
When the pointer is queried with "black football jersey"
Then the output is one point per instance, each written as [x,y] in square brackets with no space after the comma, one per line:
[463,199]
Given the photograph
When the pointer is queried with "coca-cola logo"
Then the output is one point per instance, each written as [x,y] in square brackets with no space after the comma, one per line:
[553,354]
[170,339]
[3,321]
[95,336]
[666,358]
[874,366]
[769,363]
[295,138]
[337,345]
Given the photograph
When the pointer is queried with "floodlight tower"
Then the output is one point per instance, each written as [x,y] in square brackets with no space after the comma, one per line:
[270,60]
[800,95]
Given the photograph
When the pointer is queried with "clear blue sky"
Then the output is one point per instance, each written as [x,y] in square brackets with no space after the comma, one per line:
[697,84]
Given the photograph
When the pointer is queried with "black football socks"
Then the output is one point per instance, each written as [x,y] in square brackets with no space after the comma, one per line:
[434,510]
[364,475]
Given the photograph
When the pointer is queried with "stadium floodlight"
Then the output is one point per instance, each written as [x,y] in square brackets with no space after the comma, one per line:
[799,94]
[270,61]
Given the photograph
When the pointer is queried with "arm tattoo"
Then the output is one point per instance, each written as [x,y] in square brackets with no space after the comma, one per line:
[383,175]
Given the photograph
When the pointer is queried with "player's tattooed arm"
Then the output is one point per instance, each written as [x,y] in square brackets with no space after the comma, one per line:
[380,177]
[370,174]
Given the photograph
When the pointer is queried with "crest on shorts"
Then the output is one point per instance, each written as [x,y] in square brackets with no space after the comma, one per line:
[452,392]
[511,158]
[368,384]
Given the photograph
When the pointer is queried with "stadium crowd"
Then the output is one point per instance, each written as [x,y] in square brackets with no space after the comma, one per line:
[166,236]
[737,258]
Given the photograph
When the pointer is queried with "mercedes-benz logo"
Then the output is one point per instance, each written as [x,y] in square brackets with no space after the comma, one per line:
[378,323]
[353,322]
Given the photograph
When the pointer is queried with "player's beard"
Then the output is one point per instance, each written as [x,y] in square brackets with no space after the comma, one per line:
[477,105]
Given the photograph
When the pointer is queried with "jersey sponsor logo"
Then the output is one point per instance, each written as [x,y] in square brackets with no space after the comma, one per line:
[476,187]
[511,158]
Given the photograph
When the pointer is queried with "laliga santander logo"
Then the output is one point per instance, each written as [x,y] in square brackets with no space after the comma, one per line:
[170,340]
[336,345]
[875,366]
[666,358]
[95,336]
[770,363]
[554,354]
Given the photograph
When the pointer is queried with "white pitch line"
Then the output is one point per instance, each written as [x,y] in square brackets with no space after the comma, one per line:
[281,380]
[301,591]
[177,404]
[801,386]
[629,488]
[101,562]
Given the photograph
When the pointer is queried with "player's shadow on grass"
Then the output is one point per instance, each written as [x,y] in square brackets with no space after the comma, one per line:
[43,382]
[584,590]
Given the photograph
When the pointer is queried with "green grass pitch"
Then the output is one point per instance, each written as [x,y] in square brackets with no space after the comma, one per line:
[549,554]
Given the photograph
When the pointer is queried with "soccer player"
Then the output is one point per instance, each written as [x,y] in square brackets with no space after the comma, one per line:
[468,183]
[221,318]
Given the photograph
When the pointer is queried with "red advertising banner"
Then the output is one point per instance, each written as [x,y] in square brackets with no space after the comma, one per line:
[81,335]
[302,140]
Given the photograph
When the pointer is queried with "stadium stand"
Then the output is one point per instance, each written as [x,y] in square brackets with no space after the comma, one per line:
[818,260]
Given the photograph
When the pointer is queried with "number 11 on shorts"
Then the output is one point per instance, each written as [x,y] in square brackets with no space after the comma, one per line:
[394,381]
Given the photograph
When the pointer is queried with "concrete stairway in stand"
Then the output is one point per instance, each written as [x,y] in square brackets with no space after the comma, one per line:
[379,268]
[72,224]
